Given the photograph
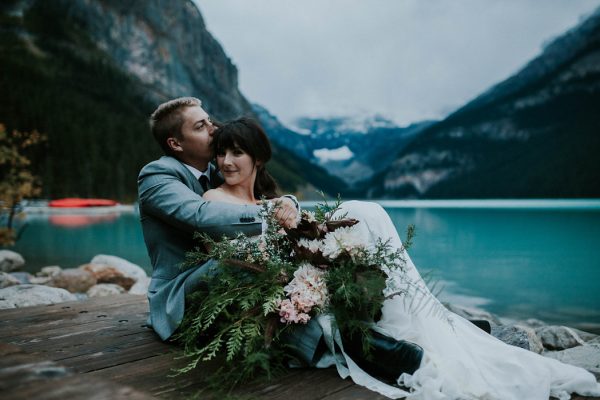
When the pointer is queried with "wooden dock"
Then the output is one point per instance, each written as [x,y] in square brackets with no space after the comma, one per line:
[101,349]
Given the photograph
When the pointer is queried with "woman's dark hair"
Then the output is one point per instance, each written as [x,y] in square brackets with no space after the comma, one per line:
[247,134]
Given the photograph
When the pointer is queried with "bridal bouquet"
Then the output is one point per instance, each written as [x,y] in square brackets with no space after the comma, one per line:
[264,286]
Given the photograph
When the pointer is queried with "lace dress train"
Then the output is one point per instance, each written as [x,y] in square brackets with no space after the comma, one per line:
[461,361]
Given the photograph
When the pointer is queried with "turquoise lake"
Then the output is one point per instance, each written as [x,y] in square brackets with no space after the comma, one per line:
[517,259]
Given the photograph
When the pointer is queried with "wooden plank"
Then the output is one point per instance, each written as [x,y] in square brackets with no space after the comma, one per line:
[39,327]
[20,369]
[355,392]
[155,375]
[7,349]
[310,383]
[24,376]
[91,304]
[54,334]
[100,345]
[101,360]
[76,387]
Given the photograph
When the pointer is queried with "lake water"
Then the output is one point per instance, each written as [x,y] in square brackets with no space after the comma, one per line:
[517,259]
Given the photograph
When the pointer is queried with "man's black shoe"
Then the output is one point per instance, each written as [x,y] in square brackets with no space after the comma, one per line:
[482,324]
[388,359]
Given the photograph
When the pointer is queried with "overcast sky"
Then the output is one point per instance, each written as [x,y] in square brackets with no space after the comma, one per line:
[407,60]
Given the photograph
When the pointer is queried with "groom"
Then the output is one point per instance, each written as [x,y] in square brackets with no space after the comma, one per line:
[171,208]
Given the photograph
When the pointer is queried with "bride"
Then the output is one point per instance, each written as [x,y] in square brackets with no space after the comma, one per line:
[460,360]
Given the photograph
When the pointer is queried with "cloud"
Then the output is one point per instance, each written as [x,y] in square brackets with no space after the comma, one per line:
[408,60]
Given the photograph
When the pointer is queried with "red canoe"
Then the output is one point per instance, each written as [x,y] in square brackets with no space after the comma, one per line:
[77,202]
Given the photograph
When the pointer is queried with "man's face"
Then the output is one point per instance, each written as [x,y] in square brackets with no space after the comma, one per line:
[197,132]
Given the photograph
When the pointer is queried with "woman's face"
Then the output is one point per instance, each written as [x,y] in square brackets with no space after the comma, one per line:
[236,166]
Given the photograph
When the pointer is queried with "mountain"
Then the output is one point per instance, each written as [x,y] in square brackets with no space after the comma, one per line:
[351,148]
[88,73]
[536,134]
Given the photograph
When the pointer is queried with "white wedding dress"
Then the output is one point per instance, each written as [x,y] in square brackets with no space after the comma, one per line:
[460,360]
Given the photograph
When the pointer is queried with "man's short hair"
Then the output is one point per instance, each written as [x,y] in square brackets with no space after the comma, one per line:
[166,121]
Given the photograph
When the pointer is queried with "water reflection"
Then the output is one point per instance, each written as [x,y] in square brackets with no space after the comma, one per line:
[80,220]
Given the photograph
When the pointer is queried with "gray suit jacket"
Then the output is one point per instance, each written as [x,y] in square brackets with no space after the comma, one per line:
[171,210]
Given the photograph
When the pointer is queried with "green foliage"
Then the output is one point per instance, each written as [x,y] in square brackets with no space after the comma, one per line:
[17,180]
[324,212]
[235,316]
[94,115]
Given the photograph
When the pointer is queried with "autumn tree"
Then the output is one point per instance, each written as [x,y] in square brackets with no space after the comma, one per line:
[17,180]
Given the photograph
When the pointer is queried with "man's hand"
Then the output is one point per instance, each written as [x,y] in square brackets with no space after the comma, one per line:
[285,212]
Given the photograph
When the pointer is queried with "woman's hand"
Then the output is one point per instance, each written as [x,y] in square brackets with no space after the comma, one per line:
[285,212]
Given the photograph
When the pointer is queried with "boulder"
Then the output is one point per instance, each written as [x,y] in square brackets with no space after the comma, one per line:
[49,271]
[40,280]
[558,337]
[81,296]
[32,295]
[127,268]
[22,277]
[105,289]
[10,261]
[472,313]
[585,336]
[7,280]
[534,323]
[517,335]
[140,287]
[74,280]
[109,274]
[595,340]
[586,356]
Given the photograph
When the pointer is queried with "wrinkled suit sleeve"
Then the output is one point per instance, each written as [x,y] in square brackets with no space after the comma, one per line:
[163,195]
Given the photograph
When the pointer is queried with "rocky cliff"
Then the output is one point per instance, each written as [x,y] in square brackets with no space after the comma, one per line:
[536,134]
[89,72]
[166,46]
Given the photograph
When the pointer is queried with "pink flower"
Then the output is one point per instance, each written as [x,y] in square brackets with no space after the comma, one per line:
[287,311]
[303,318]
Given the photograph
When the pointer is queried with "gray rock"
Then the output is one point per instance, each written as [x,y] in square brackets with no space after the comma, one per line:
[555,337]
[10,261]
[40,280]
[585,336]
[7,280]
[109,274]
[472,313]
[49,271]
[81,296]
[74,280]
[520,336]
[140,287]
[586,356]
[32,295]
[105,289]
[533,323]
[22,277]
[594,340]
[127,268]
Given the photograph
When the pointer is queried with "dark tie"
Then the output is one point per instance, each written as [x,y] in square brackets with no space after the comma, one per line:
[203,182]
